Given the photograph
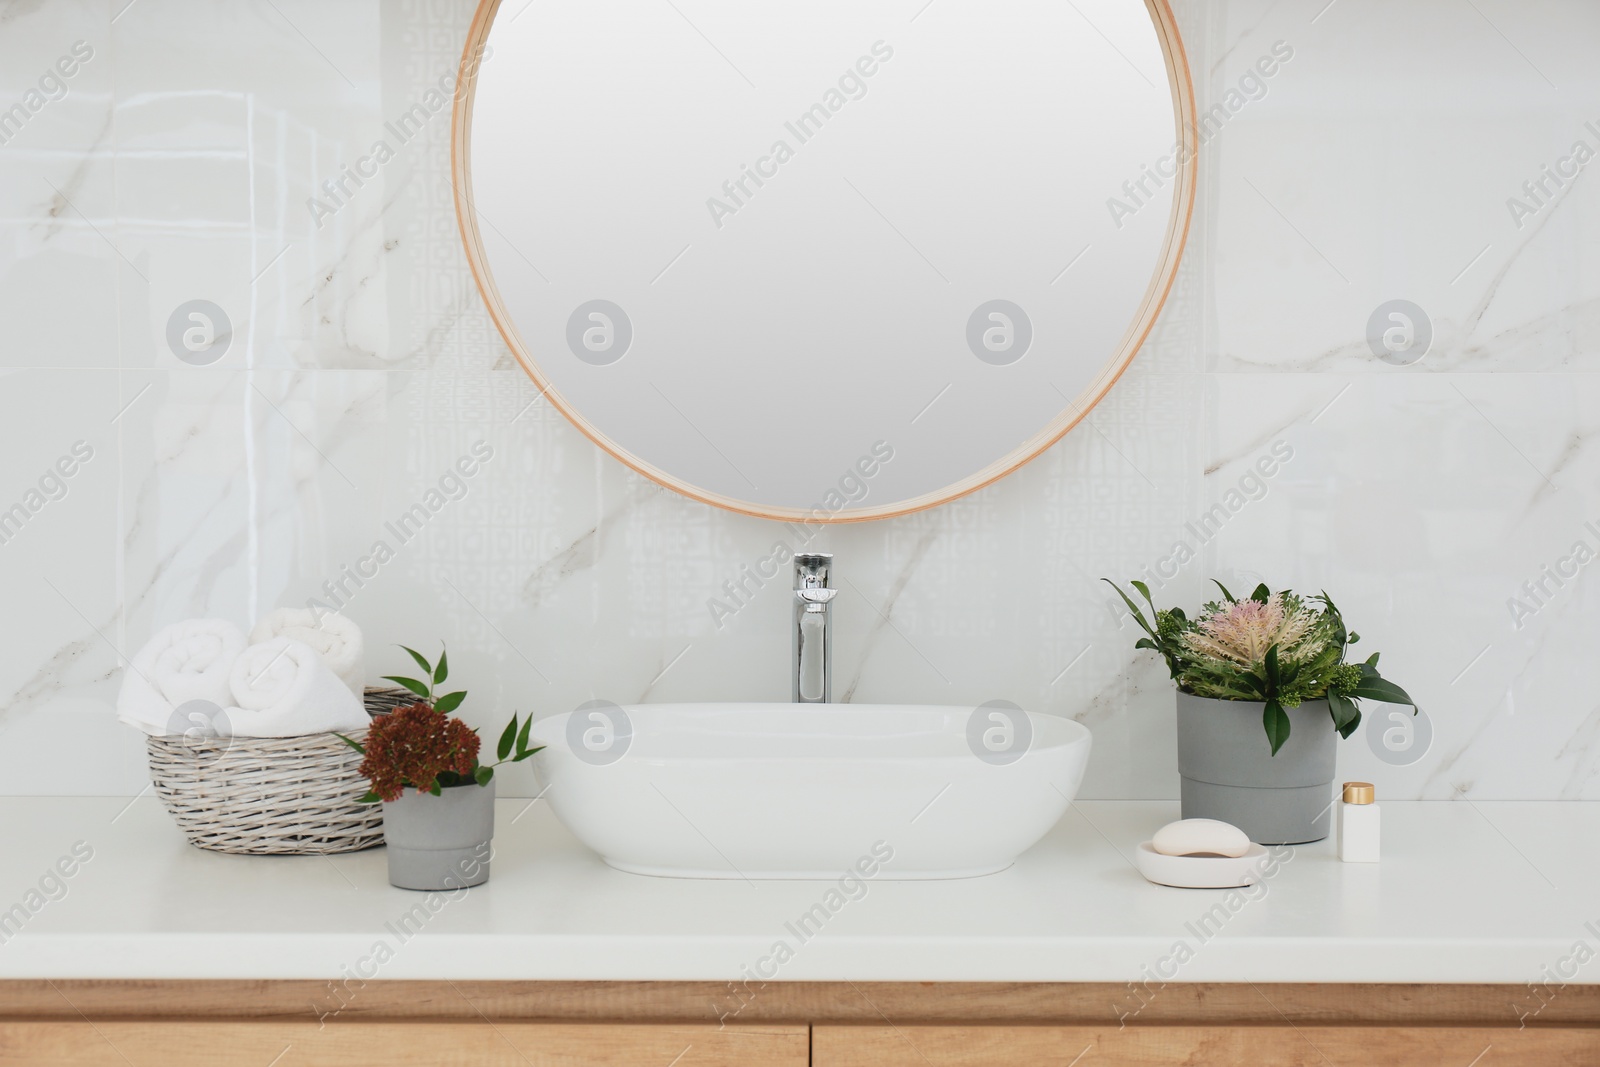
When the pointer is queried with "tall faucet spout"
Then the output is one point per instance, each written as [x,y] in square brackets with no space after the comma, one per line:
[811,629]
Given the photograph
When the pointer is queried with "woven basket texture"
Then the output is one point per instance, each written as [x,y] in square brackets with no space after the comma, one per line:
[260,796]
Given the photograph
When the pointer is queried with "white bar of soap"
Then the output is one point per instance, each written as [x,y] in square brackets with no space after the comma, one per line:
[1200,837]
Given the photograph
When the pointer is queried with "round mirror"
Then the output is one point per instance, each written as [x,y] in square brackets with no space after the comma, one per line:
[825,261]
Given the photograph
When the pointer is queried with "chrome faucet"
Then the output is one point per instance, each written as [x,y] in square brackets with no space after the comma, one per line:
[812,633]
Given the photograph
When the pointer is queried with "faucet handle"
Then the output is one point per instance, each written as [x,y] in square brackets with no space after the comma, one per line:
[816,594]
[811,570]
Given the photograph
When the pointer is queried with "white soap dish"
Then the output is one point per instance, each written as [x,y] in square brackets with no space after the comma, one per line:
[1200,872]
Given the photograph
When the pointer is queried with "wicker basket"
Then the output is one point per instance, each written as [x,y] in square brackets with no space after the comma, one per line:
[285,796]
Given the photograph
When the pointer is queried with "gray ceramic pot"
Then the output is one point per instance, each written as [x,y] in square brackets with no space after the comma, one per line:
[440,842]
[1229,771]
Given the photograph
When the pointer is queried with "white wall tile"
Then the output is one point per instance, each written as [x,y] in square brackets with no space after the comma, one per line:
[1376,165]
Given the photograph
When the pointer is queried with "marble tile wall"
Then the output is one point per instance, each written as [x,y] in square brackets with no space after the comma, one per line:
[1380,163]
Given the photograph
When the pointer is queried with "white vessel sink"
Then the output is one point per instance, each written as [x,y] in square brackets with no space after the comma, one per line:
[806,790]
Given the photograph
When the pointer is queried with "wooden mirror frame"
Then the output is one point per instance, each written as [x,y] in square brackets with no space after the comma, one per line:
[1149,308]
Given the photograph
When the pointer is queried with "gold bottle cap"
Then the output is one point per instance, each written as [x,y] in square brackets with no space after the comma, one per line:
[1359,793]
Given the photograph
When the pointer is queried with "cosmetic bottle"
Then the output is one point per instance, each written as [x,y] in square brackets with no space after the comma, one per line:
[1358,823]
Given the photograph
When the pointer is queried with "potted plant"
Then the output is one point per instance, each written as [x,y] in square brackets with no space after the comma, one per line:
[439,836]
[1263,686]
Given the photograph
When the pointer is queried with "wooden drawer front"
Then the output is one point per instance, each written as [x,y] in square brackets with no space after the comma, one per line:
[1171,1046]
[124,1043]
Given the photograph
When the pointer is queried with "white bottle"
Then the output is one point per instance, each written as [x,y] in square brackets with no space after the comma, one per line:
[1358,823]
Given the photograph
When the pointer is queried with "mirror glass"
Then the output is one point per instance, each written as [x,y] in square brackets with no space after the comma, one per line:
[825,260]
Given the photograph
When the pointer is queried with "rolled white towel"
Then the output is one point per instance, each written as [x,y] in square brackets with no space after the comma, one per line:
[284,688]
[335,637]
[187,661]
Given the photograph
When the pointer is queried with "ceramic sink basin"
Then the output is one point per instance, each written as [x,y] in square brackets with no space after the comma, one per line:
[808,791]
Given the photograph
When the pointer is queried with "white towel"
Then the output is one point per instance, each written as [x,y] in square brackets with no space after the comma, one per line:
[184,662]
[336,637]
[284,688]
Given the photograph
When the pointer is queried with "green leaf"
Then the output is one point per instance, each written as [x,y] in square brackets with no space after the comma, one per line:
[409,683]
[442,671]
[1374,688]
[483,775]
[507,739]
[434,788]
[1276,721]
[357,745]
[1132,608]
[422,661]
[1145,642]
[1371,661]
[449,702]
[1341,636]
[1271,664]
[1350,727]
[522,737]
[1354,637]
[1343,710]
[1225,594]
[1261,594]
[523,754]
[1144,591]
[369,798]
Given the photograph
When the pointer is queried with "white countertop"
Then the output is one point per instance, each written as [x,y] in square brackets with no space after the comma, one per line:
[1466,892]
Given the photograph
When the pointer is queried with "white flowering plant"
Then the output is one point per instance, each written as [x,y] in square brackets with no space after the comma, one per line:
[1277,648]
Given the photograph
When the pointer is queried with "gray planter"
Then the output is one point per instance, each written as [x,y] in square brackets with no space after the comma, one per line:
[1230,774]
[440,842]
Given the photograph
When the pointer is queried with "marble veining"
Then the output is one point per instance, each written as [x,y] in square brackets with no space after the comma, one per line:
[364,363]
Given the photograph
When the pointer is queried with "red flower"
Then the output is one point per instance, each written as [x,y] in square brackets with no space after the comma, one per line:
[412,746]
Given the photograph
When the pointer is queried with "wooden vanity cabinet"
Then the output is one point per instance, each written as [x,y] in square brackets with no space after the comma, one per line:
[792,1024]
[1210,1046]
[394,1043]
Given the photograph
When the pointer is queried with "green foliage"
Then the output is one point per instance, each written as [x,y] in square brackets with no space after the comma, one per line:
[1276,648]
[512,746]
[433,676]
[1165,632]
